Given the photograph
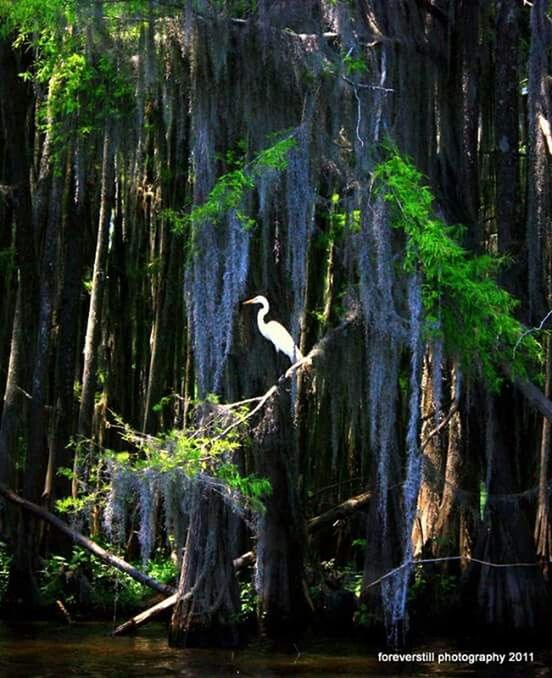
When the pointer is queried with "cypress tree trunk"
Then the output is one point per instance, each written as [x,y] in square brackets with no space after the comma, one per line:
[283,607]
[433,466]
[93,327]
[510,599]
[543,527]
[538,199]
[73,227]
[14,103]
[208,603]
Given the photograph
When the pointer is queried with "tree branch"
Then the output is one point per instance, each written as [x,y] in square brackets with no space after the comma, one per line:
[452,411]
[534,395]
[340,511]
[86,543]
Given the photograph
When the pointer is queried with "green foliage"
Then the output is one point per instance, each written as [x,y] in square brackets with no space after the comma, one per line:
[339,222]
[462,300]
[207,451]
[230,189]
[5,559]
[248,600]
[32,16]
[354,65]
[252,486]
[482,499]
[227,194]
[85,86]
[75,504]
[87,581]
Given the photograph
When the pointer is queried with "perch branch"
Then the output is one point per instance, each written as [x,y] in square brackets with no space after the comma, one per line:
[306,361]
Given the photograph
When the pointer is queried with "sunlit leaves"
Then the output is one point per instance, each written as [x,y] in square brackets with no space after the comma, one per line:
[231,188]
[462,300]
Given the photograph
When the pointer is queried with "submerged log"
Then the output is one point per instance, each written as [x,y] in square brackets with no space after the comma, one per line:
[86,543]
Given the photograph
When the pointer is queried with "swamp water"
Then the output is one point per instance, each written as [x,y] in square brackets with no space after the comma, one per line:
[46,650]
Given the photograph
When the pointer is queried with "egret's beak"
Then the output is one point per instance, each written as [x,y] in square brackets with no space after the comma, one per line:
[249,301]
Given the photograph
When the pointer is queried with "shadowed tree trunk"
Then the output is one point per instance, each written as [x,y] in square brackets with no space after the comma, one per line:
[512,598]
[281,536]
[73,226]
[543,527]
[14,102]
[208,603]
[538,198]
[93,328]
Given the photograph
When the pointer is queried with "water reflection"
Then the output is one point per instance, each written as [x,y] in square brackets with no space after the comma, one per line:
[48,651]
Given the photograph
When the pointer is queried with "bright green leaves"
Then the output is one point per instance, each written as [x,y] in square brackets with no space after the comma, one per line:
[232,187]
[274,157]
[227,194]
[462,300]
[28,17]
[354,65]
[83,82]
[205,451]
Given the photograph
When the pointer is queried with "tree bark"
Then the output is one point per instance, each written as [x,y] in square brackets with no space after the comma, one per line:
[14,103]
[543,527]
[207,602]
[93,328]
[506,122]
[509,600]
[283,609]
[538,201]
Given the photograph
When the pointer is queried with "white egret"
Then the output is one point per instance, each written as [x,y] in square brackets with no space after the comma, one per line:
[274,332]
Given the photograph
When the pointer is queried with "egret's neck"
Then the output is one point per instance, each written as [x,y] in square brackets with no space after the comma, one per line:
[262,313]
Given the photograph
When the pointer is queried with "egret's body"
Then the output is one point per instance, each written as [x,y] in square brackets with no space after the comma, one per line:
[274,332]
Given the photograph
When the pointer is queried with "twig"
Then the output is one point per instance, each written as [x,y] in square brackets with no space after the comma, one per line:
[361,85]
[242,402]
[530,330]
[452,411]
[254,411]
[423,561]
[19,388]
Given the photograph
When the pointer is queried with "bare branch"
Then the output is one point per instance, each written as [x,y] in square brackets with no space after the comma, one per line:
[452,411]
[423,561]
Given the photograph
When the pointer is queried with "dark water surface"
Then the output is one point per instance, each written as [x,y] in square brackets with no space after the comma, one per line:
[47,650]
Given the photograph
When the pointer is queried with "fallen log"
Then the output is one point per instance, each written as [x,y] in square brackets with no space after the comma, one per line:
[145,616]
[86,543]
[340,511]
